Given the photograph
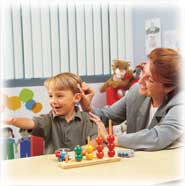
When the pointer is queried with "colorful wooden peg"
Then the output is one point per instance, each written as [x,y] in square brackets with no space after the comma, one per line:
[89,150]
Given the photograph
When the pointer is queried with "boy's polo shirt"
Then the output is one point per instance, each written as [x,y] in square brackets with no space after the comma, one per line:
[60,134]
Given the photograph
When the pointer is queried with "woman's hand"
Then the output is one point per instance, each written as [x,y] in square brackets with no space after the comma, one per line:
[100,125]
[87,96]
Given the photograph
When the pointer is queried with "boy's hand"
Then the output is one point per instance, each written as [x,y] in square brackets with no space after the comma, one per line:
[9,121]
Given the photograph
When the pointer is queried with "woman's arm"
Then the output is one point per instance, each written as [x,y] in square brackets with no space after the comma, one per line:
[167,132]
[87,96]
[101,127]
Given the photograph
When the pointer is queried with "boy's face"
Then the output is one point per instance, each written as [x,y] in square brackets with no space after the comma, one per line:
[63,101]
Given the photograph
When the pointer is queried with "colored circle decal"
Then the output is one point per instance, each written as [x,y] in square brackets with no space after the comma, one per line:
[13,103]
[37,107]
[26,95]
[30,104]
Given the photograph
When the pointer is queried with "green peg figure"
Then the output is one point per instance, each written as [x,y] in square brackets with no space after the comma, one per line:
[78,153]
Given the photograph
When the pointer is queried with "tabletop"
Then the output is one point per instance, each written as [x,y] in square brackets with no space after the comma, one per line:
[144,168]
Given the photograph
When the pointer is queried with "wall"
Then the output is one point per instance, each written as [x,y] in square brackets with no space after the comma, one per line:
[169,21]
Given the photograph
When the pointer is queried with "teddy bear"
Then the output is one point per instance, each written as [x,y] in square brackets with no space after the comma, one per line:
[137,72]
[121,78]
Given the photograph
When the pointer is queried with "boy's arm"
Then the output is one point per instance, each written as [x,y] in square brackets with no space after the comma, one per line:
[24,123]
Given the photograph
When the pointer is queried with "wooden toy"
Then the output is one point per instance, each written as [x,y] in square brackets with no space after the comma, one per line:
[99,146]
[110,139]
[24,142]
[8,143]
[89,158]
[89,150]
[62,154]
[74,164]
[36,145]
[25,147]
[78,153]
[126,153]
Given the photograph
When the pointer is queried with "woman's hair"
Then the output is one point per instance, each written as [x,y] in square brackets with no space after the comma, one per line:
[64,81]
[165,66]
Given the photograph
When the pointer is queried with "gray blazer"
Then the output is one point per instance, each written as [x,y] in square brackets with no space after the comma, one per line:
[166,127]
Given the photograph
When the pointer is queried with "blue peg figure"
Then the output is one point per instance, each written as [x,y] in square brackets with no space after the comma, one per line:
[24,143]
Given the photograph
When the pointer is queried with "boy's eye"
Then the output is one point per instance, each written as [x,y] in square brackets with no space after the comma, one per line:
[50,96]
[60,96]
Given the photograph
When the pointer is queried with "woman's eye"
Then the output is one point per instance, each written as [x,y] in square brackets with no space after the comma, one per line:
[151,80]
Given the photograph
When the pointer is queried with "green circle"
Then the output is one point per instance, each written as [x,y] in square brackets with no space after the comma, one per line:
[78,157]
[78,149]
[26,95]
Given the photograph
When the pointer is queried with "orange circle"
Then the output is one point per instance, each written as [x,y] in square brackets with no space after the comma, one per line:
[37,107]
[13,103]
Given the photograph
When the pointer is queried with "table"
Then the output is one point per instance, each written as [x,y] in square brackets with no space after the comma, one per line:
[145,168]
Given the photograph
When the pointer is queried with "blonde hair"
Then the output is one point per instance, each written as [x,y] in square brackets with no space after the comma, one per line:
[64,81]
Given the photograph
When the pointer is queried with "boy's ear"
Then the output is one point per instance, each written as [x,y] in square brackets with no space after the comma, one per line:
[77,97]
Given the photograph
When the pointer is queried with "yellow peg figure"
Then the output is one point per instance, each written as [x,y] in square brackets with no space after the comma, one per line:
[89,150]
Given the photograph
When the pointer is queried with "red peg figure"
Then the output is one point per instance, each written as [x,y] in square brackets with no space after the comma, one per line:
[99,146]
[111,146]
[89,150]
[110,139]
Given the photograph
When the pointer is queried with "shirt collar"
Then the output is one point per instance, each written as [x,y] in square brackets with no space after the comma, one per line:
[77,114]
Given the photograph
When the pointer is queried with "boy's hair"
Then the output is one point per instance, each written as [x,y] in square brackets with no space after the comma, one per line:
[64,81]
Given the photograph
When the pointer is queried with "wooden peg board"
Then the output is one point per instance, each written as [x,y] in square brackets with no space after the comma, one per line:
[74,164]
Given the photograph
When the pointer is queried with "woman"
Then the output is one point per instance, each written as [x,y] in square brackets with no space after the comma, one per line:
[152,107]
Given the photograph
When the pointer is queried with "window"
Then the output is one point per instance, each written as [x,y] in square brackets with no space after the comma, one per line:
[83,38]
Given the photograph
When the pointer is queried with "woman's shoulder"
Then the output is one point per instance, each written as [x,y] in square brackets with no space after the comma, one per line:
[177,99]
[134,89]
[133,93]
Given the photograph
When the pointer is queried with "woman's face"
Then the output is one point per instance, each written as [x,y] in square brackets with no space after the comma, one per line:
[148,86]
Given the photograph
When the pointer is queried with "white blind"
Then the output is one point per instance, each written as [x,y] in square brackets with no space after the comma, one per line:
[42,41]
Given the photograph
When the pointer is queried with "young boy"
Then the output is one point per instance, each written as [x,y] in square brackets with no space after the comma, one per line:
[65,126]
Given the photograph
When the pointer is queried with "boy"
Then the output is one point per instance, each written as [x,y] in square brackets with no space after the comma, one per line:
[64,126]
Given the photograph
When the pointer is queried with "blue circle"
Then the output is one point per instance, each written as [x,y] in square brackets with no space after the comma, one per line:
[29,105]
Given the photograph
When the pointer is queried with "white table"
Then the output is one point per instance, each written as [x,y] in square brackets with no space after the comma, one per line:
[144,168]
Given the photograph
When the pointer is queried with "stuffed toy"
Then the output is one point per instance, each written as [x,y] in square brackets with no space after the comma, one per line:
[136,73]
[121,78]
